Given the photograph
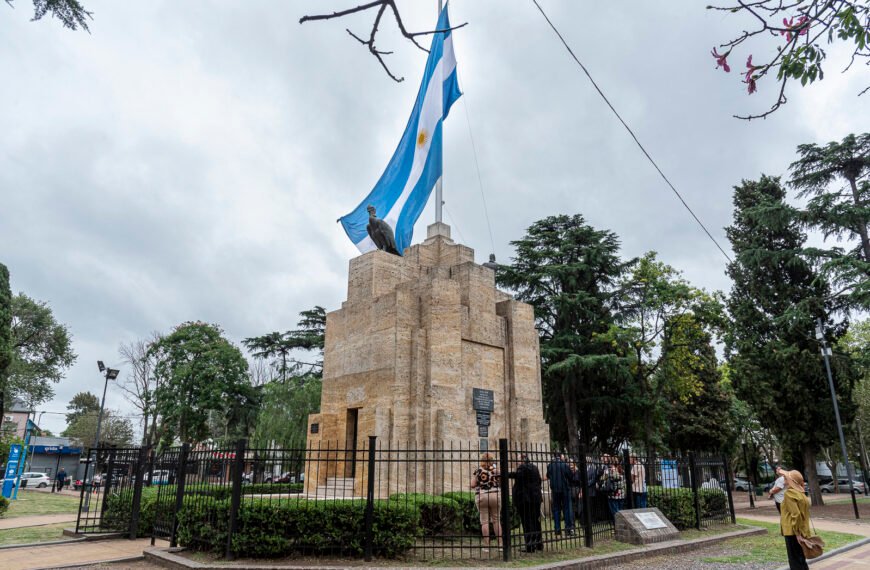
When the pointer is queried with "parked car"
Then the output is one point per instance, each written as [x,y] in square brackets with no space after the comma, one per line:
[844,486]
[741,484]
[38,480]
[285,477]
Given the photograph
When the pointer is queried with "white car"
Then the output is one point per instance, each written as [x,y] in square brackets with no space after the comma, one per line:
[37,480]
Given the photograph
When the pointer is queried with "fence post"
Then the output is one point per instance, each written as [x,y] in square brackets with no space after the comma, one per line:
[504,471]
[693,477]
[82,506]
[106,484]
[730,485]
[179,492]
[370,501]
[585,499]
[139,474]
[236,496]
[626,470]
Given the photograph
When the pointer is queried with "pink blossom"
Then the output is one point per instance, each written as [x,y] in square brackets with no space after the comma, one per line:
[791,26]
[748,78]
[721,60]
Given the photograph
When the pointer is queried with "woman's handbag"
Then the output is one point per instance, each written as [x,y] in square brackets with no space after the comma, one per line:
[812,546]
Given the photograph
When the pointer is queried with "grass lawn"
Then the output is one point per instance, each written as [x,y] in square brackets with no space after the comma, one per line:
[39,503]
[32,534]
[771,547]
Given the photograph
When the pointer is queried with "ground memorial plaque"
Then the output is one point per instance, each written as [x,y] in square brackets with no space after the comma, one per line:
[644,526]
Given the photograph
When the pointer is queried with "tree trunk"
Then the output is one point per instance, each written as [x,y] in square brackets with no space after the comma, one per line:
[812,478]
[862,225]
[571,419]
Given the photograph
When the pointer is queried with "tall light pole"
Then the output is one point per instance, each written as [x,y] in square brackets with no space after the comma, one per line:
[111,374]
[826,353]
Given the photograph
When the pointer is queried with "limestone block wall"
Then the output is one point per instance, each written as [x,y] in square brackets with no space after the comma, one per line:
[403,354]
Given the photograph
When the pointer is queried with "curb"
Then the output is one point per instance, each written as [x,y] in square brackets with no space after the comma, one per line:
[166,558]
[134,558]
[50,543]
[835,552]
[94,536]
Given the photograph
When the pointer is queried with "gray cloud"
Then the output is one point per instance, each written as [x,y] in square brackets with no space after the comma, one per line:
[188,160]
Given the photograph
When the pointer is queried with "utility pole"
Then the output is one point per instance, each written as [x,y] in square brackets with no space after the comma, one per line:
[826,352]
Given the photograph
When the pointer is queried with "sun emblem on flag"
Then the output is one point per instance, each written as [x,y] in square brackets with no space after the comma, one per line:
[422,137]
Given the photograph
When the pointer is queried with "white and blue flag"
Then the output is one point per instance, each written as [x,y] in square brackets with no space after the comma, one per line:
[404,187]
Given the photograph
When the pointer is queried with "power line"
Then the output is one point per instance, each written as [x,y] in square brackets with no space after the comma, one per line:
[624,124]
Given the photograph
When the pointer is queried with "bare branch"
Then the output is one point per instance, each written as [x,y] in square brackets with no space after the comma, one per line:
[370,43]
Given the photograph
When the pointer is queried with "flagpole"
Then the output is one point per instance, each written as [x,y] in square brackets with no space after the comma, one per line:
[438,197]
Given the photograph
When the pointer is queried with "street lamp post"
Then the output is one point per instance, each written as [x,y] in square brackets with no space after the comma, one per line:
[826,352]
[110,374]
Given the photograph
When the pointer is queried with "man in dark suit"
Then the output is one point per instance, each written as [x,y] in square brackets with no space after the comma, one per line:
[527,499]
[559,475]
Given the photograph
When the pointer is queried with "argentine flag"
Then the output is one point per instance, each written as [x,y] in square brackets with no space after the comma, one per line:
[404,187]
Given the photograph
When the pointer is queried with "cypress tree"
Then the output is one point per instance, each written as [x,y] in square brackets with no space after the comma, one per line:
[776,365]
[5,334]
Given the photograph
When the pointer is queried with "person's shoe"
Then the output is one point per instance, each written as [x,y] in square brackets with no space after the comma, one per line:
[558,534]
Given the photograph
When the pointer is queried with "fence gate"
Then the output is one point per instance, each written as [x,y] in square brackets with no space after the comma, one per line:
[165,468]
[112,480]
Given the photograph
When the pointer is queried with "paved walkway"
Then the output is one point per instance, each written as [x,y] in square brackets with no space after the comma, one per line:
[860,527]
[852,560]
[88,552]
[36,520]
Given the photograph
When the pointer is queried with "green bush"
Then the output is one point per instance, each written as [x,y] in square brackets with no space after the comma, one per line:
[268,529]
[468,508]
[678,505]
[439,515]
[4,506]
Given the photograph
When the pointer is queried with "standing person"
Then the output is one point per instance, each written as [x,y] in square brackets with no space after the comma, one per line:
[61,479]
[777,492]
[638,483]
[576,493]
[527,499]
[597,499]
[614,485]
[795,519]
[559,475]
[486,482]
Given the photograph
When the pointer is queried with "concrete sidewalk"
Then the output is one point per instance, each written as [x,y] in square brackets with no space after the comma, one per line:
[859,527]
[35,520]
[852,559]
[76,553]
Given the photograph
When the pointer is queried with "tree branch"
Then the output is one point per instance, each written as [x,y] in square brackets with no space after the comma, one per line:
[370,43]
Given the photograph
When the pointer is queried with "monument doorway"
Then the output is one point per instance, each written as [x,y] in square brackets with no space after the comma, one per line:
[350,441]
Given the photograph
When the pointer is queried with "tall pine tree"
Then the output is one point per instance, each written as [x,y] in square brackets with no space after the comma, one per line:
[776,365]
[567,270]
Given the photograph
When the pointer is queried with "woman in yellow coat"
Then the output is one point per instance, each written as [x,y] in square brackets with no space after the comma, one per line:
[795,519]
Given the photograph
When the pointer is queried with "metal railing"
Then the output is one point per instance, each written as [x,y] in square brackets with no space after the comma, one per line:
[375,498]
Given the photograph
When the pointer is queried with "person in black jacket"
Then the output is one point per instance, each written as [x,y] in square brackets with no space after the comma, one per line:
[559,475]
[527,499]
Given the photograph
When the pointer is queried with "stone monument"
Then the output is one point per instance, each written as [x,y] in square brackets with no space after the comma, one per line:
[643,526]
[424,352]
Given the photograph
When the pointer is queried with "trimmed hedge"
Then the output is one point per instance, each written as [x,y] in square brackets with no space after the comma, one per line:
[439,515]
[268,529]
[678,505]
[4,506]
[468,508]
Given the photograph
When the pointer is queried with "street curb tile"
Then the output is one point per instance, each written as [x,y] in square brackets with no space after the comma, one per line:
[50,543]
[164,557]
[831,554]
[133,558]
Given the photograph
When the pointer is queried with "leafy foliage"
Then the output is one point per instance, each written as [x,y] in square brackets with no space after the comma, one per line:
[842,213]
[567,270]
[42,351]
[309,337]
[71,13]
[6,339]
[283,414]
[114,429]
[775,362]
[4,506]
[203,372]
[807,25]
[699,414]
[678,505]
[82,404]
[309,527]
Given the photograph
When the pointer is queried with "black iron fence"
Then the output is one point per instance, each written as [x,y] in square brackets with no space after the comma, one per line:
[385,499]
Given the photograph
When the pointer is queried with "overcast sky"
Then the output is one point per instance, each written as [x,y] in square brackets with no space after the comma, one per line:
[188,160]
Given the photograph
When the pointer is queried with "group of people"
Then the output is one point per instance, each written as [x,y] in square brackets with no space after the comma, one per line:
[605,484]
